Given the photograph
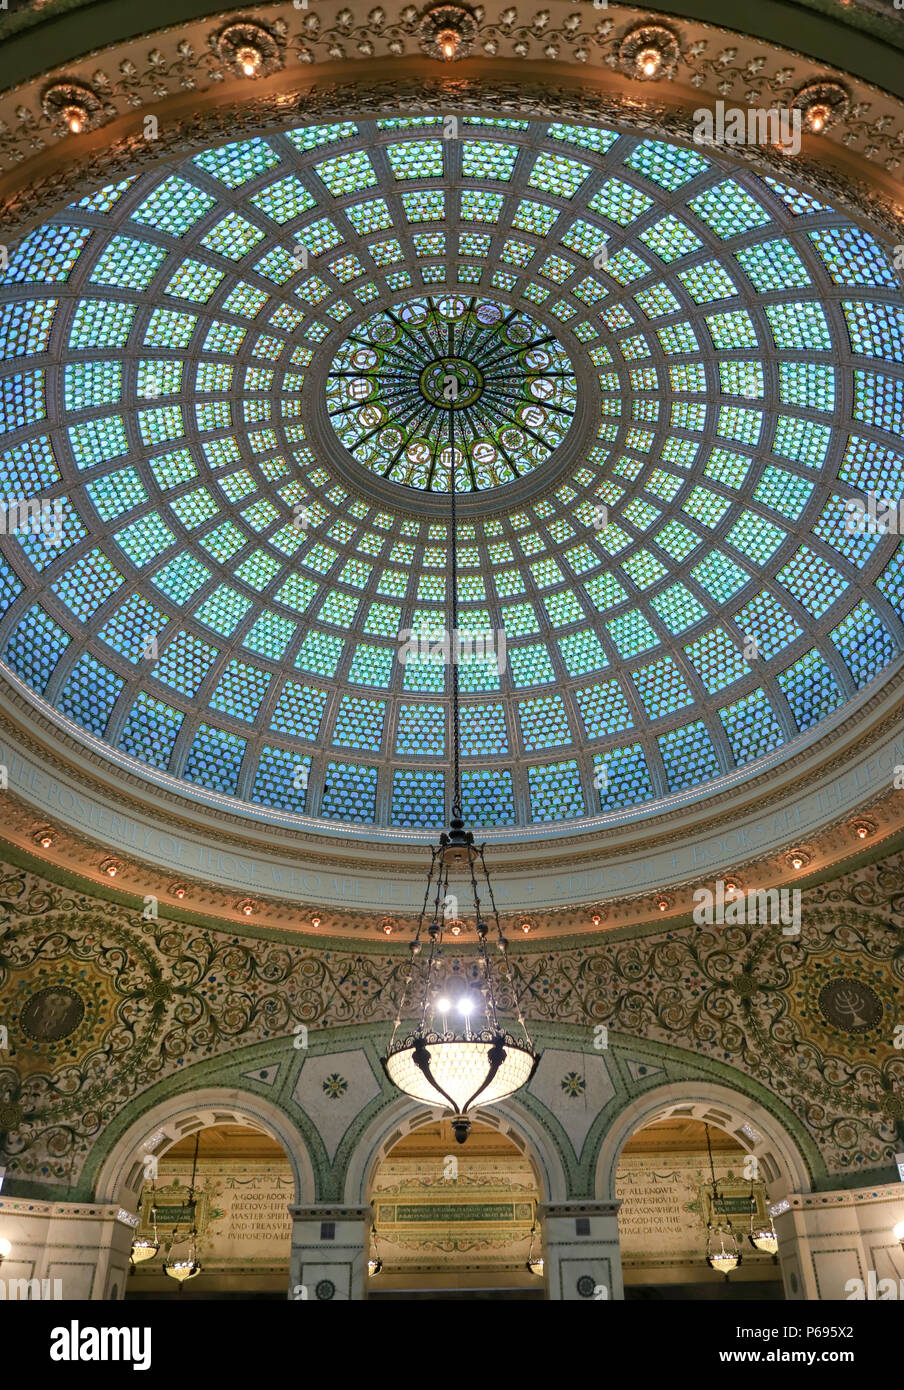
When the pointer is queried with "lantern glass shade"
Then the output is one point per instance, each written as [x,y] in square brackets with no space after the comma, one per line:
[535,1264]
[181,1270]
[453,1072]
[143,1250]
[764,1238]
[722,1251]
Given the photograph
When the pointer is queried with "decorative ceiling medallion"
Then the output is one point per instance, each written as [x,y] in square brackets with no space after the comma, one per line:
[823,104]
[649,52]
[507,383]
[851,1005]
[448,32]
[72,107]
[52,1014]
[251,50]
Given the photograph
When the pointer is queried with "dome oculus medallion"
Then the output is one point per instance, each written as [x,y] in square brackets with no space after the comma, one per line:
[416,377]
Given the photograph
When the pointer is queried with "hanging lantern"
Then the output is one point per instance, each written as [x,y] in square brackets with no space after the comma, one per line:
[375,1263]
[762,1237]
[142,1248]
[462,1057]
[762,1232]
[185,1267]
[723,1252]
[535,1263]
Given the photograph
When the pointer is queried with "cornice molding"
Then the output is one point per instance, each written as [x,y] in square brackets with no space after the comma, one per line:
[611,888]
[559,60]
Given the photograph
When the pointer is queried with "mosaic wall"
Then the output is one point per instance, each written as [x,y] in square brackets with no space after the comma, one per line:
[666,1203]
[480,1219]
[102,1008]
[243,1220]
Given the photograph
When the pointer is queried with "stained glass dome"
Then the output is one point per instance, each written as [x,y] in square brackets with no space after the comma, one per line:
[416,382]
[221,604]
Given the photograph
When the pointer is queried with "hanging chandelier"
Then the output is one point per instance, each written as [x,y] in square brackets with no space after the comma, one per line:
[142,1248]
[762,1234]
[185,1267]
[459,1056]
[535,1263]
[375,1261]
[722,1250]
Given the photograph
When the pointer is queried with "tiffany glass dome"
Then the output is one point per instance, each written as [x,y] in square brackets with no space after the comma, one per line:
[665,377]
[461,373]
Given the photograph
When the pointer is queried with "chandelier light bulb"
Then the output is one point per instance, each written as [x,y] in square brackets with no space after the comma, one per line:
[649,61]
[249,59]
[448,41]
[5,1247]
[75,119]
[817,117]
[443,1006]
[466,1005]
[898,1232]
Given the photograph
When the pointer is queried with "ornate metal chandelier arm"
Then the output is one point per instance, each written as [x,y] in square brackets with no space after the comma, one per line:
[414,949]
[495,1057]
[491,1012]
[507,968]
[436,934]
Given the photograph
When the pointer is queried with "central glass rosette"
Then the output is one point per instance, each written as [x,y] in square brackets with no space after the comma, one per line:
[414,377]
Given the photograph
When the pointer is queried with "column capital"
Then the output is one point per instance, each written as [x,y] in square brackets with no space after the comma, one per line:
[329,1211]
[580,1207]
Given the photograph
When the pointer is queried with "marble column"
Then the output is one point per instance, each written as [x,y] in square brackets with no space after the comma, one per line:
[839,1245]
[581,1250]
[68,1250]
[329,1252]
